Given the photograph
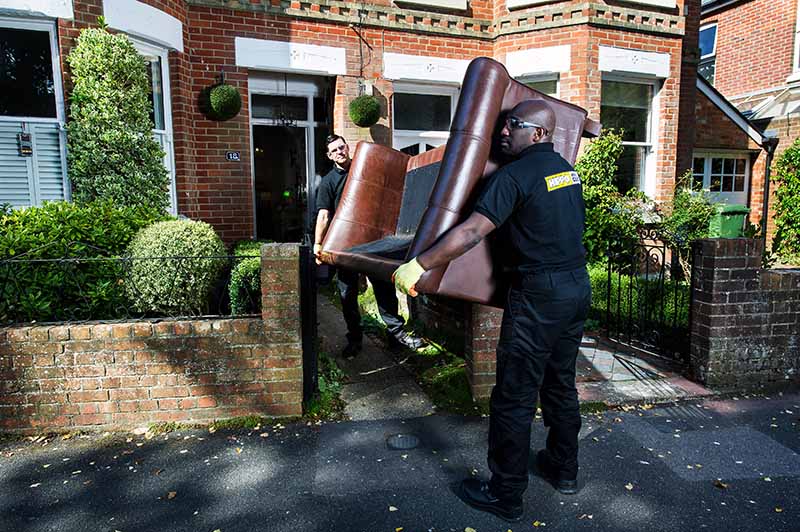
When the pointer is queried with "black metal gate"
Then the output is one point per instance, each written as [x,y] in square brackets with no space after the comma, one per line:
[647,301]
[308,311]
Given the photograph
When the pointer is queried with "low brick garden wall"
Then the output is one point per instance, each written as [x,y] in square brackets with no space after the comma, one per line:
[745,319]
[122,375]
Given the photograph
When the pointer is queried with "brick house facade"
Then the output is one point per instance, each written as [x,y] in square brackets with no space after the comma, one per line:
[750,54]
[297,66]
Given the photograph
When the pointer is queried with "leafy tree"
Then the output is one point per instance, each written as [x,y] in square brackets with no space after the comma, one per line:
[112,152]
[786,176]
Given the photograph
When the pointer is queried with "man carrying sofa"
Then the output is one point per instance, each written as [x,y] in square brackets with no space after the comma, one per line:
[536,201]
[328,196]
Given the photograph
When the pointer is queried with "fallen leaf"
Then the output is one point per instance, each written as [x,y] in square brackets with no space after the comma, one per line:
[629,486]
[392,509]
[238,450]
[171,495]
[778,509]
[212,429]
[469,529]
[719,484]
[767,479]
[264,434]
[537,524]
[157,472]
[398,529]
[36,485]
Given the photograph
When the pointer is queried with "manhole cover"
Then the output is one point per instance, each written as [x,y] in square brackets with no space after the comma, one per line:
[401,442]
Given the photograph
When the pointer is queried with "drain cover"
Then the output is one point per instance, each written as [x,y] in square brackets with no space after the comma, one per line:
[401,442]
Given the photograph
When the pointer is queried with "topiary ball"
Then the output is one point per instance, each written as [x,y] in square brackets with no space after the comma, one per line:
[365,110]
[221,102]
[158,283]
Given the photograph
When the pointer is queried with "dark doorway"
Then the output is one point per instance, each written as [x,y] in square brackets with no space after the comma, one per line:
[280,182]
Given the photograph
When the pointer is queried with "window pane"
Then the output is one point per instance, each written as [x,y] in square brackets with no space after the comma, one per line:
[421,112]
[411,150]
[741,166]
[630,172]
[716,183]
[739,184]
[727,183]
[288,107]
[708,39]
[26,74]
[699,165]
[622,94]
[633,122]
[321,110]
[547,86]
[716,165]
[707,68]
[156,95]
[728,166]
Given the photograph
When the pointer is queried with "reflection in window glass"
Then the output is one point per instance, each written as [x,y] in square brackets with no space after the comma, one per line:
[626,106]
[276,107]
[153,65]
[547,86]
[421,112]
[698,170]
[26,74]
[708,51]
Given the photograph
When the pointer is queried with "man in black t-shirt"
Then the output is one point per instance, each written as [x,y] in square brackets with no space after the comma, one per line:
[329,194]
[537,202]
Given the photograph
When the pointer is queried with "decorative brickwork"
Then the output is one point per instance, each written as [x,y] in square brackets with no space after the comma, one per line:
[745,320]
[116,375]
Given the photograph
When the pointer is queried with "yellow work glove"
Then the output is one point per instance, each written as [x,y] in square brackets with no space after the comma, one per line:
[406,276]
[318,253]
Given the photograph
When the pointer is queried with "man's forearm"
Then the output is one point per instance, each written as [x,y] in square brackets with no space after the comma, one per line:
[454,244]
[321,226]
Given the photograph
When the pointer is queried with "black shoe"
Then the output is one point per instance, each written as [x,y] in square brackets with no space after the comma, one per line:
[351,350]
[406,339]
[477,494]
[550,472]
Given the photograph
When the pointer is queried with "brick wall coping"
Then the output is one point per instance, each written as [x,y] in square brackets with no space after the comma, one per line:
[394,18]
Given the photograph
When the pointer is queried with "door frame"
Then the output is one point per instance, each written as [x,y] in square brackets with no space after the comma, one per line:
[292,85]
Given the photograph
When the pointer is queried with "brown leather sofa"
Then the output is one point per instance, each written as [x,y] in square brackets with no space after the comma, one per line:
[395,206]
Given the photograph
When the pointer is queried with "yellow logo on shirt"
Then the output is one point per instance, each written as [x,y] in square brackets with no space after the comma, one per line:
[561,180]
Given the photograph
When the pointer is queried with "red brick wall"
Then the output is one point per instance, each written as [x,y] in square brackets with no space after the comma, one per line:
[115,375]
[745,321]
[755,45]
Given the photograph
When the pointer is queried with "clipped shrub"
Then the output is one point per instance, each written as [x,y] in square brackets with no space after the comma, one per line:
[160,282]
[365,110]
[220,102]
[786,241]
[112,153]
[245,286]
[74,289]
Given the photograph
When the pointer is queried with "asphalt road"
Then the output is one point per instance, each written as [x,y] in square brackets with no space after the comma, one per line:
[720,465]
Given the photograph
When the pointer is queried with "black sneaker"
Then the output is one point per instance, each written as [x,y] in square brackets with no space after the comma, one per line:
[549,471]
[351,350]
[406,339]
[477,494]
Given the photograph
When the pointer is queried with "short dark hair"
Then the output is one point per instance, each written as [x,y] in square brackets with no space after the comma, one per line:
[333,138]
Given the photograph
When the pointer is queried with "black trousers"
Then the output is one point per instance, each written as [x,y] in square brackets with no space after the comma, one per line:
[385,297]
[539,340]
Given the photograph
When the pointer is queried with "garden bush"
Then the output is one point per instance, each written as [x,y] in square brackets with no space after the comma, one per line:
[112,152]
[159,283]
[786,241]
[74,289]
[613,220]
[245,286]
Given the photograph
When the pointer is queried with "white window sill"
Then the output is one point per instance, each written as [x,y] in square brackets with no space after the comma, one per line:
[794,78]
[443,4]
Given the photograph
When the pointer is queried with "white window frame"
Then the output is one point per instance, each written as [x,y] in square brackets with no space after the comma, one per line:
[738,197]
[653,120]
[164,136]
[403,138]
[545,76]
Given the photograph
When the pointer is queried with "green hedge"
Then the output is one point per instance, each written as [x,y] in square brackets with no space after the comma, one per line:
[158,283]
[644,297]
[245,286]
[56,291]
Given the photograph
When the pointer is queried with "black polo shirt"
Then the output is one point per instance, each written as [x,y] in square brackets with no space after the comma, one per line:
[537,202]
[330,190]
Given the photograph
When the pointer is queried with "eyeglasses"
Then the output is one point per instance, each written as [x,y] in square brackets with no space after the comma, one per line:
[512,122]
[341,147]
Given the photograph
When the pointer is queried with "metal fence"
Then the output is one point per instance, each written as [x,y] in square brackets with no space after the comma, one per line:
[70,289]
[645,301]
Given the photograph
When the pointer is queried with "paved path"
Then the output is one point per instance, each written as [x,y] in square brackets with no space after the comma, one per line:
[652,470]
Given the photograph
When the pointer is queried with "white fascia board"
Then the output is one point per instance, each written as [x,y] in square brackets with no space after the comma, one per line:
[730,111]
[634,61]
[538,61]
[42,8]
[147,22]
[423,68]
[515,4]
[444,4]
[656,3]
[281,56]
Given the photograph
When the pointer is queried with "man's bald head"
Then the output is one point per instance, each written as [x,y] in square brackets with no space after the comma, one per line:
[537,112]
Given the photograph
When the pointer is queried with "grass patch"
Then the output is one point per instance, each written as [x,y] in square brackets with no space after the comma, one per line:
[328,403]
[593,407]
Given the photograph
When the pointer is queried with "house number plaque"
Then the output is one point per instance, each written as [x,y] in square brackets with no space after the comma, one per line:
[24,144]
